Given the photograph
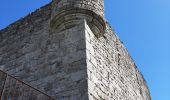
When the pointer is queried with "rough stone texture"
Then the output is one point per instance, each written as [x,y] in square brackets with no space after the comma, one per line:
[69,13]
[14,89]
[72,63]
[96,6]
[112,74]
[52,62]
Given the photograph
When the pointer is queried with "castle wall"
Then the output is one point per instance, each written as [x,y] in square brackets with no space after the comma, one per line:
[112,74]
[70,64]
[96,6]
[53,62]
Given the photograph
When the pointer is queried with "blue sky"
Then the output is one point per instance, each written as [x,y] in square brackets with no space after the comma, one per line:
[142,25]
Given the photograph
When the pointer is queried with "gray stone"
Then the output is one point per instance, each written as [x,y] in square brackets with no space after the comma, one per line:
[66,50]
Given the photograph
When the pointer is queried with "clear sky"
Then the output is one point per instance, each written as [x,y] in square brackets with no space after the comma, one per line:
[142,25]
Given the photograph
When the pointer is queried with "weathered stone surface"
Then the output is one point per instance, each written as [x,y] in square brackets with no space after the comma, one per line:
[112,74]
[72,63]
[52,62]
[69,13]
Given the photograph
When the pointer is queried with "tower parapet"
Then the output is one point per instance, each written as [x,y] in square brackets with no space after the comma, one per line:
[68,13]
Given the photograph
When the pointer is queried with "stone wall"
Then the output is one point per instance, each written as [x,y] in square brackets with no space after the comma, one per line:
[112,74]
[70,64]
[96,6]
[69,13]
[53,62]
[14,89]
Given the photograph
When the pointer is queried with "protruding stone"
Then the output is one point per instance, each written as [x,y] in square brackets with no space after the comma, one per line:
[68,13]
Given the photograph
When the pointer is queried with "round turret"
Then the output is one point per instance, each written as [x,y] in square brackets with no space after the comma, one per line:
[68,13]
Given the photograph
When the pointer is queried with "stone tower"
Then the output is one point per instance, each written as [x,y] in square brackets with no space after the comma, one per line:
[67,50]
[69,13]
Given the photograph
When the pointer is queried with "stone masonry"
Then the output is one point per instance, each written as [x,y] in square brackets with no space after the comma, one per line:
[67,50]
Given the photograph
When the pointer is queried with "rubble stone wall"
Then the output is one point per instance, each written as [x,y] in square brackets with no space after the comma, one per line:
[96,6]
[112,74]
[53,62]
[71,64]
